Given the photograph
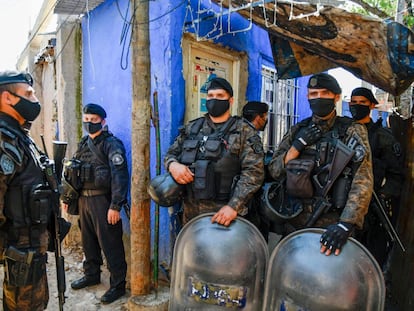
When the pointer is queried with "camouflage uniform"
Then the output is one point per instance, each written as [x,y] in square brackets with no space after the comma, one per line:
[20,171]
[360,191]
[241,143]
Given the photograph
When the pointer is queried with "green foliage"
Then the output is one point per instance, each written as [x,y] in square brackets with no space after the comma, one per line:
[409,21]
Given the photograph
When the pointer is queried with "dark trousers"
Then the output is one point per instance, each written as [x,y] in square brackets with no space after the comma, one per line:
[97,234]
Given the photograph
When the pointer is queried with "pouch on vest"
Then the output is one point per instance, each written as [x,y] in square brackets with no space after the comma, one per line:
[298,178]
[40,204]
[204,183]
[102,177]
[189,152]
[212,149]
[72,173]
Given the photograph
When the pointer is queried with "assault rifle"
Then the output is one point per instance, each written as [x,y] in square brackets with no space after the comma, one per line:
[59,226]
[383,217]
[341,157]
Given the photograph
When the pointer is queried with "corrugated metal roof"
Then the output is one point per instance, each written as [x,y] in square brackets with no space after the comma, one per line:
[75,7]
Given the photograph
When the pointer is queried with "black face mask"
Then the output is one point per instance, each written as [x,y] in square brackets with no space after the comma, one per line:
[359,111]
[217,107]
[92,128]
[322,106]
[27,109]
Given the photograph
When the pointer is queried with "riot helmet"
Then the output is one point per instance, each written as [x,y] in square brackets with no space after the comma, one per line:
[277,205]
[165,191]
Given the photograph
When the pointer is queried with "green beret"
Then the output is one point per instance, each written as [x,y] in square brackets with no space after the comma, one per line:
[12,76]
[94,109]
[220,83]
[324,81]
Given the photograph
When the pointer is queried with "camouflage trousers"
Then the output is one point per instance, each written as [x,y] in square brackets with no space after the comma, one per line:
[329,218]
[33,297]
[193,208]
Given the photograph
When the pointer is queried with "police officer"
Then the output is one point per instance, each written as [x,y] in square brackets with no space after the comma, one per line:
[387,169]
[256,114]
[316,139]
[219,157]
[105,182]
[23,214]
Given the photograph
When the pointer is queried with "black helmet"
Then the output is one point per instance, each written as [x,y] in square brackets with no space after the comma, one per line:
[165,191]
[277,205]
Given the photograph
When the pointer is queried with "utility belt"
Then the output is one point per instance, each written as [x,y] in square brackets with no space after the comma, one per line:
[23,267]
[30,234]
[93,192]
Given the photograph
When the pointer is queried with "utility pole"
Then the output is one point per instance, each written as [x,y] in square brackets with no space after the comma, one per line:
[140,138]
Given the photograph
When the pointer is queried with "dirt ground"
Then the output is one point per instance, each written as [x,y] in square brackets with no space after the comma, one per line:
[87,299]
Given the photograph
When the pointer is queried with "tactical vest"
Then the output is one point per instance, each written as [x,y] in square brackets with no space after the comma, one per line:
[208,155]
[322,155]
[94,173]
[28,200]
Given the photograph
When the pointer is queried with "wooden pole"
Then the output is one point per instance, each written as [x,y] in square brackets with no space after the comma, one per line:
[140,137]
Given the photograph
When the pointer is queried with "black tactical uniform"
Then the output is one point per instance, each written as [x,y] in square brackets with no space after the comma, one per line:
[388,181]
[24,233]
[105,183]
[25,202]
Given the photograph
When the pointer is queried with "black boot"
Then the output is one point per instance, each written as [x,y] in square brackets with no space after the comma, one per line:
[85,281]
[113,293]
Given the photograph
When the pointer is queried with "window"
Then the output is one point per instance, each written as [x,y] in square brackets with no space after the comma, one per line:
[281,98]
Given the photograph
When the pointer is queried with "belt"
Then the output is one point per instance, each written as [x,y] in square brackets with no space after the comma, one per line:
[92,192]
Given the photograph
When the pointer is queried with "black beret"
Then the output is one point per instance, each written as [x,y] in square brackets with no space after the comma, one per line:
[363,91]
[94,109]
[255,107]
[12,76]
[324,81]
[220,83]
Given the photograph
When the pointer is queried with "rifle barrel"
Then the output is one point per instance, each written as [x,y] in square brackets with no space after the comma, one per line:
[379,208]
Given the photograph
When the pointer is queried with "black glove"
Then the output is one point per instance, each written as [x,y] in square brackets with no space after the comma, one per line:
[306,136]
[336,235]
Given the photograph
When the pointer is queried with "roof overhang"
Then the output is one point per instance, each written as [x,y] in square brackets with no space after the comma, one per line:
[76,7]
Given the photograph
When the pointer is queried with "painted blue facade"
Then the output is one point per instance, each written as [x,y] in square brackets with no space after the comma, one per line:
[106,70]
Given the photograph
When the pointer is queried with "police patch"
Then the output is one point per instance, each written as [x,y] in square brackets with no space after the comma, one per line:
[6,164]
[359,153]
[256,144]
[396,149]
[117,159]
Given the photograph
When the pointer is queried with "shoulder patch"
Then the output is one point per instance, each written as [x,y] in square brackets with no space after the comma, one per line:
[12,152]
[396,149]
[117,159]
[359,153]
[6,164]
[256,143]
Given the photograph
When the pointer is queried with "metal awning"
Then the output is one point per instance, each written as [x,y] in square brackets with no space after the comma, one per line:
[75,7]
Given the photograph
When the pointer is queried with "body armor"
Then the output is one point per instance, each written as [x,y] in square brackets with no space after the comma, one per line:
[216,267]
[214,166]
[27,202]
[299,277]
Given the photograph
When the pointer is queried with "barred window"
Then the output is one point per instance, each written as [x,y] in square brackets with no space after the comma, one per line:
[281,96]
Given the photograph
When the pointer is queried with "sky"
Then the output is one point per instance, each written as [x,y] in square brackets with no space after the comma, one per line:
[16,20]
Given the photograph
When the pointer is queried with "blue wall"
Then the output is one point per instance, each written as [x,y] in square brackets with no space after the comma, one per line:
[107,81]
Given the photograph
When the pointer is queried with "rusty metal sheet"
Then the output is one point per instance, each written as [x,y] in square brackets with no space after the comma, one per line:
[378,52]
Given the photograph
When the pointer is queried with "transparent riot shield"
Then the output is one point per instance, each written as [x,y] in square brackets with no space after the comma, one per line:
[299,277]
[217,267]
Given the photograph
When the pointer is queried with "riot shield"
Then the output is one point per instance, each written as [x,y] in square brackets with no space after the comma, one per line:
[299,277]
[217,267]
